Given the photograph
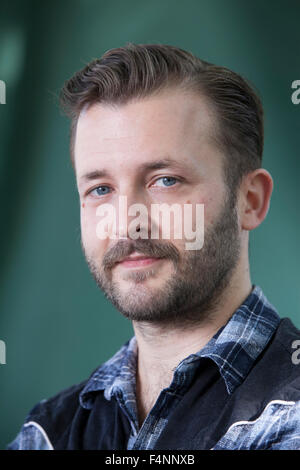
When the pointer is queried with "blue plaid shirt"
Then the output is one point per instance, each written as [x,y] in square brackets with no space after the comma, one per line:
[234,350]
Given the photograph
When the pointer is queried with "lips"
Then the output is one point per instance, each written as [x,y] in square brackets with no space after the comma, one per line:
[138,260]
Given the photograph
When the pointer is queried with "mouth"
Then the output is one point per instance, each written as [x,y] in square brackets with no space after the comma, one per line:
[137,261]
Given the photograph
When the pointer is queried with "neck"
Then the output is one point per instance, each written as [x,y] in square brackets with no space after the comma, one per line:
[161,348]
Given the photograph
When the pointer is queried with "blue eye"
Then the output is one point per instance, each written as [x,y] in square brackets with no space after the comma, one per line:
[167,180]
[101,190]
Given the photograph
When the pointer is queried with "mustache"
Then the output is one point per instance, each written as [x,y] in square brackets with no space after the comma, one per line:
[146,247]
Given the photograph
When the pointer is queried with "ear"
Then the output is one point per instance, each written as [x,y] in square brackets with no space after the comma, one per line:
[256,191]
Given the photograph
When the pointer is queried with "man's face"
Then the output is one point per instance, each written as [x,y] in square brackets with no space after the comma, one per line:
[153,151]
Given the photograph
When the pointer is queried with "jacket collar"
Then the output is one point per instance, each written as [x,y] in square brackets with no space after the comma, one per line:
[234,350]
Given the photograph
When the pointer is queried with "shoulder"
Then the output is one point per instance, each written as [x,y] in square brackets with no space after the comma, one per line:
[48,417]
[278,368]
[287,333]
[65,401]
[276,428]
[286,347]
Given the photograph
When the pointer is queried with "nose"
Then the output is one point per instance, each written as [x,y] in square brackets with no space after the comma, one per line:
[132,218]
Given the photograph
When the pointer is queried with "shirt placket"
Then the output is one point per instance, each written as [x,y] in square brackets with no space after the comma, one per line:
[147,435]
[154,422]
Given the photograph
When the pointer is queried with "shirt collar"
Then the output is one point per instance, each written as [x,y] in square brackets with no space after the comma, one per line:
[234,349]
[237,345]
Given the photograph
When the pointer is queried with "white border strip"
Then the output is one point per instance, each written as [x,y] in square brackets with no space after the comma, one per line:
[280,402]
[42,431]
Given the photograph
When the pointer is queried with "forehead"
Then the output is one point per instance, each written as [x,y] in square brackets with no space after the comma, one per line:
[173,123]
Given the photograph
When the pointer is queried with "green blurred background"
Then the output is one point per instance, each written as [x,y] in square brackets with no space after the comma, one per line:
[56,324]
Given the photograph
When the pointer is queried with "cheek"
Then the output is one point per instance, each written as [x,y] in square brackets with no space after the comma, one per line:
[212,206]
[93,245]
[88,226]
[196,213]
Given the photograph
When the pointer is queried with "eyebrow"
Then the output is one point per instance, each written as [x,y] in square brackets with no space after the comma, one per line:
[92,175]
[156,165]
[160,164]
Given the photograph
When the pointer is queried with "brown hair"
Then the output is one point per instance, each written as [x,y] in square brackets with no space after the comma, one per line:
[139,70]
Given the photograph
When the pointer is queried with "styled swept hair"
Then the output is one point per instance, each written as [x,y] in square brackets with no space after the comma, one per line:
[136,71]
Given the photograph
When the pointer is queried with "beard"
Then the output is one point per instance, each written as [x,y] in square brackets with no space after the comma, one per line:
[196,285]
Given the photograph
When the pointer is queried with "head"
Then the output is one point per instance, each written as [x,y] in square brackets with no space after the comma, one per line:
[156,124]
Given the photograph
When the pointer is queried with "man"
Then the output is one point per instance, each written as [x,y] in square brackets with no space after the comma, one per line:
[210,365]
